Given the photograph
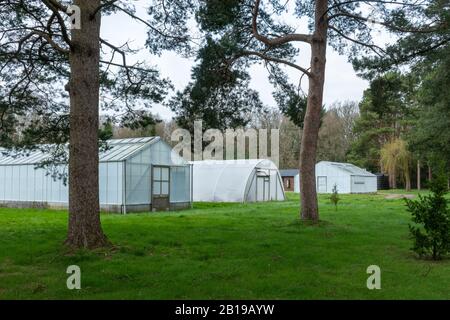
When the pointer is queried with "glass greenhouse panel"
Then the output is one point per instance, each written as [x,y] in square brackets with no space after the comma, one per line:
[114,183]
[180,182]
[138,183]
[157,188]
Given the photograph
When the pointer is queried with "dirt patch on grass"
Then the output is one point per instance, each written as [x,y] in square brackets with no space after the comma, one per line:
[399,196]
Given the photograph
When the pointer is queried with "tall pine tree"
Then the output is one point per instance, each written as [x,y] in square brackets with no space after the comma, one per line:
[250,31]
[54,80]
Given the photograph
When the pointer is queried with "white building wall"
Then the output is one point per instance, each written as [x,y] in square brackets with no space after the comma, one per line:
[363,184]
[251,193]
[297,183]
[26,183]
[333,176]
[280,189]
[372,185]
[346,182]
[111,183]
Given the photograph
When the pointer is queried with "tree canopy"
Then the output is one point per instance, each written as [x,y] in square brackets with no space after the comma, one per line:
[430,136]
[35,70]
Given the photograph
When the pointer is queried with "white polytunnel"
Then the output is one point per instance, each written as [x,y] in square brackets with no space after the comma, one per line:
[237,181]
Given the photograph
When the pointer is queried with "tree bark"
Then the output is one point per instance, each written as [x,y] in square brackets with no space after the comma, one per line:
[392,173]
[407,181]
[418,175]
[394,179]
[85,229]
[309,206]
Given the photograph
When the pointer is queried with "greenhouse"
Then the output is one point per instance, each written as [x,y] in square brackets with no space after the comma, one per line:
[237,181]
[140,174]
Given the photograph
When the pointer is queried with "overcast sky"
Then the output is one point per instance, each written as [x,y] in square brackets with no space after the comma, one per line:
[341,82]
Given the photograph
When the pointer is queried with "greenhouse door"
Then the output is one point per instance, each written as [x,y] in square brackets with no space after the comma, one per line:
[262,188]
[160,188]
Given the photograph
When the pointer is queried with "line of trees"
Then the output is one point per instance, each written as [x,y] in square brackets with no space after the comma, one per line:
[402,128]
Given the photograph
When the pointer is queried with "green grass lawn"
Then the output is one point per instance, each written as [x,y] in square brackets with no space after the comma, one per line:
[224,251]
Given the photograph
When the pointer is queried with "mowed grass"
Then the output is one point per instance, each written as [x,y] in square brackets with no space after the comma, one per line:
[224,251]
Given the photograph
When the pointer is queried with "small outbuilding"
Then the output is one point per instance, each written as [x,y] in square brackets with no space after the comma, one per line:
[140,174]
[291,179]
[347,177]
[237,181]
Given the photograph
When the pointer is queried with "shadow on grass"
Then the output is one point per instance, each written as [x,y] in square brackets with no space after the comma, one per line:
[310,223]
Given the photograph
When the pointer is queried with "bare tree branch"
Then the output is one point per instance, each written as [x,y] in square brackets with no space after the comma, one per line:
[273,59]
[56,4]
[130,14]
[49,39]
[103,5]
[278,40]
[372,47]
[339,4]
[126,67]
[383,23]
[56,7]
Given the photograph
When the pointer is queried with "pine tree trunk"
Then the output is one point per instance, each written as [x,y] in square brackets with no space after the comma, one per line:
[309,206]
[85,229]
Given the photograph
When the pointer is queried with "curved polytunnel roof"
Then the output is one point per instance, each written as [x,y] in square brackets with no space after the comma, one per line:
[225,180]
[118,150]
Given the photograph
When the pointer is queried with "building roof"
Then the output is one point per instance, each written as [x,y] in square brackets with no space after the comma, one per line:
[349,168]
[117,150]
[121,149]
[241,163]
[289,172]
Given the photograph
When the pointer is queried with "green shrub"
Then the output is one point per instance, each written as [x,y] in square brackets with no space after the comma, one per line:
[431,217]
[335,197]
